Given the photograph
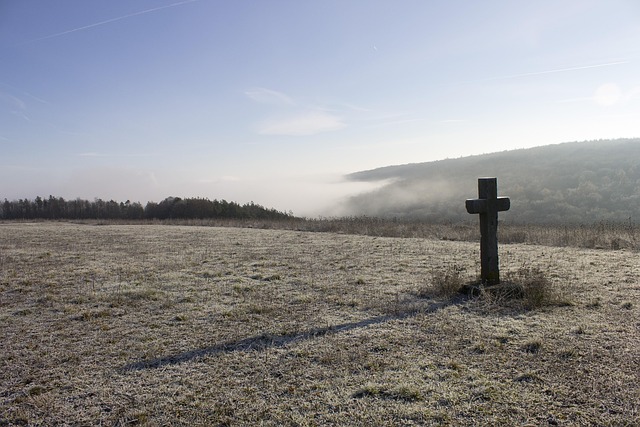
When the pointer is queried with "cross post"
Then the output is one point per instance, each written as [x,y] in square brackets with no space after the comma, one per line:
[488,204]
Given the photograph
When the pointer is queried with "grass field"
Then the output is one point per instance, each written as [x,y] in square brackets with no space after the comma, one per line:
[173,325]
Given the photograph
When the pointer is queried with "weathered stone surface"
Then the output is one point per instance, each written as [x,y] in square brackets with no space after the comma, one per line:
[487,205]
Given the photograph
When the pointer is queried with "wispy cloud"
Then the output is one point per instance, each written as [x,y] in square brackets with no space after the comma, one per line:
[14,106]
[40,100]
[15,102]
[556,70]
[96,154]
[109,21]
[404,118]
[607,94]
[309,123]
[375,122]
[289,117]
[268,96]
[91,154]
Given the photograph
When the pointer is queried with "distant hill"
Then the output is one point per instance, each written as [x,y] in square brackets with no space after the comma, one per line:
[572,182]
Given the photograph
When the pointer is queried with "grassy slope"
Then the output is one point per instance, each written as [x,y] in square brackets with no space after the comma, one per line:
[158,325]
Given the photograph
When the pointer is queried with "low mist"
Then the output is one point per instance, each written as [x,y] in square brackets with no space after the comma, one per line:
[582,182]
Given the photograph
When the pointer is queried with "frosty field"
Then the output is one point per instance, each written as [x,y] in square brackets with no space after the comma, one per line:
[175,325]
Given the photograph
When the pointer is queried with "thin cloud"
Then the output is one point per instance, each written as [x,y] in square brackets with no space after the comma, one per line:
[14,101]
[20,102]
[607,94]
[268,96]
[109,21]
[91,154]
[14,105]
[22,115]
[303,124]
[290,117]
[557,70]
[114,155]
[357,108]
[40,100]
[373,119]
[389,122]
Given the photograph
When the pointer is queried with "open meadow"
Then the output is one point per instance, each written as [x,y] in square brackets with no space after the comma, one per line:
[184,325]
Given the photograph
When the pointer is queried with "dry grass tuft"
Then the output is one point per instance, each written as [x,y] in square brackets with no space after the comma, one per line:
[529,287]
[446,283]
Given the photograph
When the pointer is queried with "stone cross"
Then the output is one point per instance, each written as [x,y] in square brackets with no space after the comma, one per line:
[488,204]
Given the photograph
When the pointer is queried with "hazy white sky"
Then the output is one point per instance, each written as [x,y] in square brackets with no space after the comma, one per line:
[272,101]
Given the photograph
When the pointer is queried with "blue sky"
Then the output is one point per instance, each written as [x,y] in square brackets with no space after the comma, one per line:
[273,101]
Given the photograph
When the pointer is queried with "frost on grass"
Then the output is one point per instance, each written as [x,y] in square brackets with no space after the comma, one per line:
[172,325]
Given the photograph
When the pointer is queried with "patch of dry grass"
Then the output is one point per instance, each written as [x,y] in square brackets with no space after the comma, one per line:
[171,325]
[598,235]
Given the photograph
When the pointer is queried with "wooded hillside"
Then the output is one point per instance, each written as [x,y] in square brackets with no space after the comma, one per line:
[571,182]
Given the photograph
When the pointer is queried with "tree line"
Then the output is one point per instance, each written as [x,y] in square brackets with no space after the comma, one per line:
[170,208]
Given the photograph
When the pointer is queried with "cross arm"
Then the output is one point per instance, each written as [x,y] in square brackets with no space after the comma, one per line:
[476,206]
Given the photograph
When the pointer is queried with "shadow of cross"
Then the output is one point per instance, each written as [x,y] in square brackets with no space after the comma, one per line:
[488,204]
[266,341]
